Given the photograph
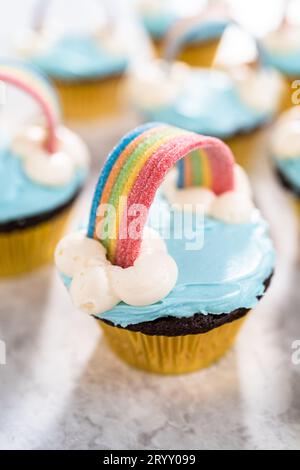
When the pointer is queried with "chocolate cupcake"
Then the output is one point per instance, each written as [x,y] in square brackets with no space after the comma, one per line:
[87,66]
[280,49]
[42,170]
[173,258]
[190,32]
[235,104]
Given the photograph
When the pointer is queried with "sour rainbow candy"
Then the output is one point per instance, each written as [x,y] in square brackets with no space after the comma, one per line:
[34,84]
[136,168]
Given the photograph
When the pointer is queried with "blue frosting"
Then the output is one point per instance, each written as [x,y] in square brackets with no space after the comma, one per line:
[290,168]
[20,197]
[227,273]
[201,32]
[158,24]
[287,63]
[79,57]
[209,104]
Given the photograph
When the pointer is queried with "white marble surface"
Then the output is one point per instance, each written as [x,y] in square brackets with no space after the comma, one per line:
[61,388]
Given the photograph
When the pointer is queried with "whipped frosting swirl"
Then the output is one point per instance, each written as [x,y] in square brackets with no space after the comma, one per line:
[97,286]
[56,169]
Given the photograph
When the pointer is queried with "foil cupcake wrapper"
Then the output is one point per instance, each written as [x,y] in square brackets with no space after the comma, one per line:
[90,100]
[30,248]
[171,354]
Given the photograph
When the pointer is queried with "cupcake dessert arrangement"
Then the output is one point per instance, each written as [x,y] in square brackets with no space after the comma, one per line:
[42,170]
[280,49]
[86,67]
[190,32]
[165,306]
[175,254]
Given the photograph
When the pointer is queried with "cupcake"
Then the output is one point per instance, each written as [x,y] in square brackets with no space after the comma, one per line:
[285,152]
[235,105]
[86,67]
[175,254]
[281,50]
[189,32]
[42,170]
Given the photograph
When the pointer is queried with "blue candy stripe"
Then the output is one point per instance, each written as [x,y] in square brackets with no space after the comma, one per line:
[180,180]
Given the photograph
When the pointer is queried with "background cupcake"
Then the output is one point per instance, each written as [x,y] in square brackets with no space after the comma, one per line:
[285,152]
[189,31]
[166,303]
[280,48]
[234,105]
[42,170]
[86,61]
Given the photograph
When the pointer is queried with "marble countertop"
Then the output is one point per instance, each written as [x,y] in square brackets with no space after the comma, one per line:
[62,388]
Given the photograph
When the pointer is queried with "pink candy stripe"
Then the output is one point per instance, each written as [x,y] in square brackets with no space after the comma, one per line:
[221,171]
[154,172]
[51,144]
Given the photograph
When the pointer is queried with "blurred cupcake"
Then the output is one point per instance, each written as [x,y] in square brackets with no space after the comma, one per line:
[86,66]
[281,50]
[173,259]
[42,170]
[285,152]
[190,32]
[234,105]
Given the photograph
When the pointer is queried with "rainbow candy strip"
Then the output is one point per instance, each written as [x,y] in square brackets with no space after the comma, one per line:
[135,169]
[197,170]
[39,88]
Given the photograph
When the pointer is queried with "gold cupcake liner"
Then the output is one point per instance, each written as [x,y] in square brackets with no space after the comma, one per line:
[171,354]
[90,100]
[196,55]
[296,204]
[27,249]
[200,55]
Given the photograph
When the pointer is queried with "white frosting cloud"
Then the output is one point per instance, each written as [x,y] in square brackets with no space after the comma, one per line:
[167,6]
[241,181]
[152,242]
[34,43]
[56,170]
[284,40]
[285,141]
[76,252]
[110,39]
[236,207]
[149,280]
[91,291]
[187,199]
[232,207]
[97,286]
[157,83]
[259,88]
[50,170]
